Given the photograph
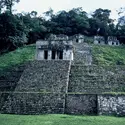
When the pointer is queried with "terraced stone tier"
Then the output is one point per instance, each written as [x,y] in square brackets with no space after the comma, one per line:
[40,90]
[32,103]
[10,77]
[45,76]
[94,79]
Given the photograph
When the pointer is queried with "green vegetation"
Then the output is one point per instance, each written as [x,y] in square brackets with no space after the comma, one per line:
[19,29]
[108,55]
[17,57]
[103,55]
[59,120]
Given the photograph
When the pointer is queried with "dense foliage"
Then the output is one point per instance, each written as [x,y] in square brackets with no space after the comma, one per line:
[25,28]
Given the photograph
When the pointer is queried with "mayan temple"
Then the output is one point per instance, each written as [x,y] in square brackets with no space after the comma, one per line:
[63,79]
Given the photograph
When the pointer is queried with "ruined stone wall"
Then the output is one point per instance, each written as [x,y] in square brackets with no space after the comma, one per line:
[113,41]
[81,104]
[99,40]
[111,105]
[61,50]
[33,103]
[95,104]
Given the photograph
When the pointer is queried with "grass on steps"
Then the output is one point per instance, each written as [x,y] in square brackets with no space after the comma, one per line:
[108,55]
[59,120]
[17,57]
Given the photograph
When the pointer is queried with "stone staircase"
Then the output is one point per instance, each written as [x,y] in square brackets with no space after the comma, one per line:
[82,53]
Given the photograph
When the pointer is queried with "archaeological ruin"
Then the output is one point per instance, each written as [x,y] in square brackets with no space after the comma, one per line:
[54,50]
[99,40]
[63,79]
[112,41]
[79,38]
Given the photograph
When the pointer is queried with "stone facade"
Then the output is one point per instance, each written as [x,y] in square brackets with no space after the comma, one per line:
[54,50]
[99,40]
[44,103]
[111,105]
[79,38]
[81,104]
[112,41]
[33,103]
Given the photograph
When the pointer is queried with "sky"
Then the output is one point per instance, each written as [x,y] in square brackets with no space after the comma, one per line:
[88,5]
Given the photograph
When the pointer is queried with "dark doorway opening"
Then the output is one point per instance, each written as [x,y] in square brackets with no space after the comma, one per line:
[45,54]
[77,40]
[53,54]
[61,55]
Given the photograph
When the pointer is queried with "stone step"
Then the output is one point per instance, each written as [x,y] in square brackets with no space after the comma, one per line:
[4,84]
[91,90]
[81,81]
[86,71]
[87,78]
[102,86]
[32,103]
[91,66]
